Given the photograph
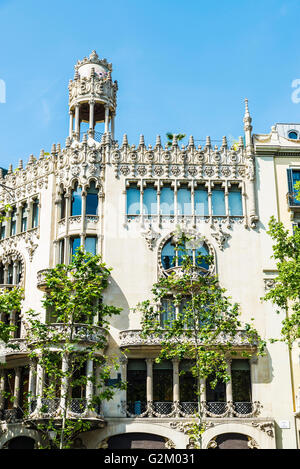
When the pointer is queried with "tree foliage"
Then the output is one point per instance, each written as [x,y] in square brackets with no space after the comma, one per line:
[73,337]
[170,138]
[286,292]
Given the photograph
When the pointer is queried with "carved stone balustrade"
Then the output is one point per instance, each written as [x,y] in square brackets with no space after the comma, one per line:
[41,279]
[79,333]
[132,338]
[13,347]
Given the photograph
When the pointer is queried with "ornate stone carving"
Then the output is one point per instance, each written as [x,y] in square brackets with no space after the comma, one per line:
[221,237]
[151,237]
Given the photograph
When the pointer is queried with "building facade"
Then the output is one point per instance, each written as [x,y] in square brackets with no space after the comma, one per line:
[125,202]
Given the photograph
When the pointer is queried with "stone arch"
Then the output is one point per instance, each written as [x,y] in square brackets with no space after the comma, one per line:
[12,255]
[173,438]
[21,432]
[256,436]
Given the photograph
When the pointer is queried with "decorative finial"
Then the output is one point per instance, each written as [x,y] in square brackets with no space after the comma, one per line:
[208,142]
[20,164]
[10,169]
[174,142]
[31,159]
[42,154]
[53,149]
[158,141]
[224,142]
[125,140]
[142,141]
[191,141]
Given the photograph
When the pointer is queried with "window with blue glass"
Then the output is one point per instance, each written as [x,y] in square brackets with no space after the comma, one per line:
[168,255]
[235,202]
[3,226]
[75,244]
[201,201]
[168,312]
[24,218]
[76,201]
[90,245]
[218,201]
[172,255]
[13,222]
[92,200]
[62,206]
[293,177]
[150,201]
[293,134]
[35,213]
[184,206]
[167,201]
[133,200]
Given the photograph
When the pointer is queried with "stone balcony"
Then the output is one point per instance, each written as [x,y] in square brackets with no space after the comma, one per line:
[41,279]
[13,347]
[131,339]
[75,224]
[80,333]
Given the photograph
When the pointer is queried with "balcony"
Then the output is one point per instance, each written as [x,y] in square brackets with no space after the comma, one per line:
[131,339]
[190,409]
[82,333]
[13,347]
[293,203]
[51,408]
[41,279]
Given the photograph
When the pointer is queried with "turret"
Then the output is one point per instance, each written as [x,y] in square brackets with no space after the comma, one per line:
[92,96]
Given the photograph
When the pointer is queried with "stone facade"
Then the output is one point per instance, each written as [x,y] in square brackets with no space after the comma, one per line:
[224,194]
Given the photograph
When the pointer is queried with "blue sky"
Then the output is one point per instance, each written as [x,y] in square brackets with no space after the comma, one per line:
[181,66]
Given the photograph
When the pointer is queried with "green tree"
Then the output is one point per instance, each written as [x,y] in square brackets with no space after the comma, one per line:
[170,138]
[204,330]
[286,291]
[69,349]
[10,300]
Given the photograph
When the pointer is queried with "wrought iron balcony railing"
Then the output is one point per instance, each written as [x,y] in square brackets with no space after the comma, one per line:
[189,409]
[51,408]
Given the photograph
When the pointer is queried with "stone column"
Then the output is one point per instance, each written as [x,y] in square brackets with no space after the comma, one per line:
[70,123]
[77,123]
[32,381]
[64,382]
[91,118]
[193,203]
[15,272]
[18,218]
[106,127]
[83,216]
[5,274]
[175,203]
[8,223]
[112,130]
[149,380]
[209,189]
[229,383]
[39,385]
[17,388]
[253,378]
[176,390]
[225,184]
[2,389]
[30,213]
[89,391]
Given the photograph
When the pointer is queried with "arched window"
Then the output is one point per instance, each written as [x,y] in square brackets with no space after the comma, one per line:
[92,200]
[172,255]
[76,201]
[293,134]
